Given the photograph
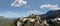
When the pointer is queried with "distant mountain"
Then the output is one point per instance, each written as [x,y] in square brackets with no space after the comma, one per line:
[50,14]
[53,14]
[2,18]
[43,16]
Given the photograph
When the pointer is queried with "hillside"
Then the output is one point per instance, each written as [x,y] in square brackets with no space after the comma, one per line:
[4,21]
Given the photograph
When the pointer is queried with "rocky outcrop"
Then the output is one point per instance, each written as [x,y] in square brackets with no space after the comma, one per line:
[32,20]
[51,18]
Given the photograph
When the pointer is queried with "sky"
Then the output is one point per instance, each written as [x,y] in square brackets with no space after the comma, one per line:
[18,8]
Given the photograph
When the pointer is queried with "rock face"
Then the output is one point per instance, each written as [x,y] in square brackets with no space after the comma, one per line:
[51,18]
[32,20]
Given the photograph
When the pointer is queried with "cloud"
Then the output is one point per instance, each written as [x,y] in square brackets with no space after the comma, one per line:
[37,12]
[18,3]
[34,12]
[10,14]
[49,6]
